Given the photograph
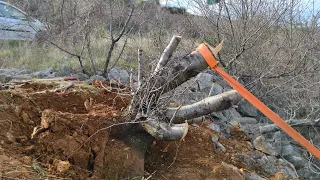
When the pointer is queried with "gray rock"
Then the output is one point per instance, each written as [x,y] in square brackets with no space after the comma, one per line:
[204,82]
[88,81]
[205,77]
[215,139]
[221,147]
[298,162]
[214,127]
[215,89]
[246,109]
[252,176]
[261,144]
[286,151]
[231,114]
[47,73]
[246,120]
[66,71]
[24,72]
[307,174]
[97,77]
[135,86]
[82,77]
[5,78]
[119,75]
[9,72]
[270,165]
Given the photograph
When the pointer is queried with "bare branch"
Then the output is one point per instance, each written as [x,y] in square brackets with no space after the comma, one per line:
[167,53]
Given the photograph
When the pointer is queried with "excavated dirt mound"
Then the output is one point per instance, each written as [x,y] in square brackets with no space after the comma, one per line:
[45,134]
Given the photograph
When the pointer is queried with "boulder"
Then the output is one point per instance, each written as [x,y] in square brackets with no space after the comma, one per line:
[246,109]
[97,77]
[66,71]
[118,75]
[47,73]
[82,77]
[24,72]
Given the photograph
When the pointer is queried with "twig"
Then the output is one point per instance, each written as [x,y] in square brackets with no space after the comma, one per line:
[174,114]
[140,72]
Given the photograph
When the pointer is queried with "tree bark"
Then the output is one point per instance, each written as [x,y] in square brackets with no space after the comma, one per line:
[204,107]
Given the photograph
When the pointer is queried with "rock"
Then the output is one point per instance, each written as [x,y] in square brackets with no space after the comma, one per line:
[215,89]
[214,127]
[97,77]
[307,174]
[118,75]
[47,73]
[227,171]
[24,72]
[246,109]
[9,72]
[252,176]
[262,145]
[204,82]
[221,147]
[231,114]
[298,162]
[5,78]
[66,71]
[246,120]
[286,151]
[270,165]
[82,77]
[63,166]
[215,139]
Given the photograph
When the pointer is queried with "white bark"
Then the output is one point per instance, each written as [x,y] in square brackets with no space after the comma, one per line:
[164,131]
[204,107]
[167,53]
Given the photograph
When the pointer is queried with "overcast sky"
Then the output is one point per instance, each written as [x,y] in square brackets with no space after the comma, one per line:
[189,5]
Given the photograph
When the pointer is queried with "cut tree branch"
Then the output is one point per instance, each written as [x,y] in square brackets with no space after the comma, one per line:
[167,53]
[204,107]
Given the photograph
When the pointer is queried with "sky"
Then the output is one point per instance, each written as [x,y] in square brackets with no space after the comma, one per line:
[190,4]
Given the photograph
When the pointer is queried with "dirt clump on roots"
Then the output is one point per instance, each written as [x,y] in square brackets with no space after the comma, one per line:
[71,134]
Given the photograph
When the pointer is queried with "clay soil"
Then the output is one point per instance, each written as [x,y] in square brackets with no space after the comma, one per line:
[76,127]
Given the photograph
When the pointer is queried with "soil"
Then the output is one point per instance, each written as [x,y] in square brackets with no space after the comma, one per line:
[76,127]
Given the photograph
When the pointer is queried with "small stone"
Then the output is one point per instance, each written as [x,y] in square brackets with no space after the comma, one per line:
[260,144]
[63,166]
[214,138]
[214,127]
[221,147]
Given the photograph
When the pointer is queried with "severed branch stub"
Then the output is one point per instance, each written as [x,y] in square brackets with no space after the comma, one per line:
[205,106]
[167,53]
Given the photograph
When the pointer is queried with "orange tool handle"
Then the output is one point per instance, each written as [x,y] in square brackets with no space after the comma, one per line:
[212,62]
